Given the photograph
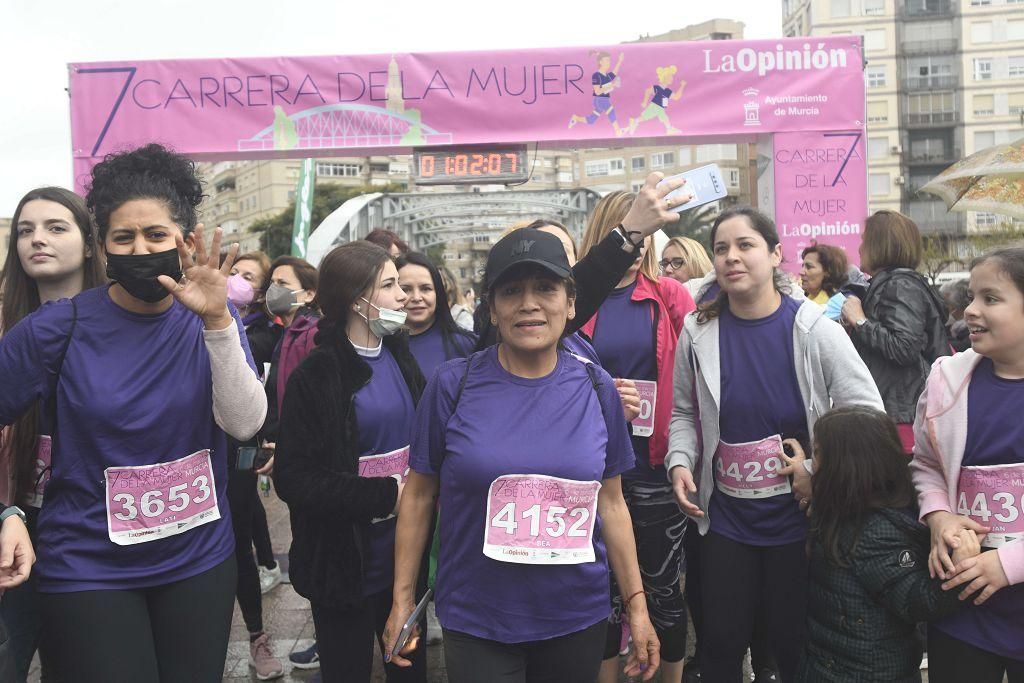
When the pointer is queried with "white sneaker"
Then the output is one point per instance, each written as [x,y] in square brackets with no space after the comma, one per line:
[924,662]
[261,659]
[269,578]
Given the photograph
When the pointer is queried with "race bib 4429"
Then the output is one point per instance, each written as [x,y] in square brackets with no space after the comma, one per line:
[155,501]
[537,519]
[751,470]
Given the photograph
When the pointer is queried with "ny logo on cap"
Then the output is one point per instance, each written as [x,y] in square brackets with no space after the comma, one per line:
[523,247]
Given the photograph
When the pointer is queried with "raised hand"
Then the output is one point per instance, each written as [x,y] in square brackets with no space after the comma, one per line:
[650,209]
[203,288]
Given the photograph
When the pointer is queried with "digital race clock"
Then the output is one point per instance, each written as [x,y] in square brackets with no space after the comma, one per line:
[461,166]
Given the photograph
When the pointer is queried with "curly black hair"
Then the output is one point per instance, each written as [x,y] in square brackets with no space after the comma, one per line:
[150,172]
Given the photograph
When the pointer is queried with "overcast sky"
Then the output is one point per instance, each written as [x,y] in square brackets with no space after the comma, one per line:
[38,38]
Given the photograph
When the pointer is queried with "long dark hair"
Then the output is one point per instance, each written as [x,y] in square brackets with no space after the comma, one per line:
[450,332]
[859,467]
[20,298]
[762,225]
[345,274]
[1011,262]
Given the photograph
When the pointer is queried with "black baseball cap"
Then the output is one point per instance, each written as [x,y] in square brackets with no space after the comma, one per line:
[527,245]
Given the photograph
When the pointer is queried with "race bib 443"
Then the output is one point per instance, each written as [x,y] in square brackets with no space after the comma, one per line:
[993,495]
[751,470]
[537,519]
[155,501]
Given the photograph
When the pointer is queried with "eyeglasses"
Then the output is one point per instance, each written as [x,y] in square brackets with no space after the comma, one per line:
[676,263]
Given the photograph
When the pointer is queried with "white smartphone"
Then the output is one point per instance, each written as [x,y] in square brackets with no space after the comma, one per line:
[706,184]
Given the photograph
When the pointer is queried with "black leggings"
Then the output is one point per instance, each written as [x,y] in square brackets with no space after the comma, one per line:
[954,661]
[244,499]
[739,582]
[345,637]
[176,633]
[761,657]
[572,658]
[658,527]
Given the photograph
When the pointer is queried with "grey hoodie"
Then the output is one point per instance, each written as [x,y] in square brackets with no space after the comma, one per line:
[830,374]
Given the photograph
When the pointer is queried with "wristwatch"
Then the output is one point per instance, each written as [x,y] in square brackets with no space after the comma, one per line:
[11,512]
[626,243]
[860,323]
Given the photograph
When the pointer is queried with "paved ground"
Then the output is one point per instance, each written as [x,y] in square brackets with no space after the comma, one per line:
[287,618]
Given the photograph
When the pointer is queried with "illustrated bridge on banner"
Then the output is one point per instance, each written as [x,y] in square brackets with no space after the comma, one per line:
[429,218]
[343,125]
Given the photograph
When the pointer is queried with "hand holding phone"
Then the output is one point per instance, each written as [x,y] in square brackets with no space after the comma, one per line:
[704,185]
[410,626]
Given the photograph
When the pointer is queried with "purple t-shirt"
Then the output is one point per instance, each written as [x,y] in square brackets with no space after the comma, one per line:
[760,398]
[134,390]
[384,413]
[505,424]
[995,436]
[431,352]
[576,343]
[625,342]
[600,79]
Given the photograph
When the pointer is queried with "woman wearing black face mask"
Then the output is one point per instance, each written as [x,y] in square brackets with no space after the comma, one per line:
[144,379]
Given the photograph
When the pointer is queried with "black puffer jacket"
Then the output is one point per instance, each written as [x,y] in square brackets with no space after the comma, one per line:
[861,618]
[316,468]
[905,331]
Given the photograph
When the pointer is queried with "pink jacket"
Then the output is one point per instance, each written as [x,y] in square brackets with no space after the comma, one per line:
[940,434]
[671,302]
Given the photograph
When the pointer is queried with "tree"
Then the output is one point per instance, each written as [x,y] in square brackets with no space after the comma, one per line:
[938,255]
[943,252]
[276,231]
[695,224]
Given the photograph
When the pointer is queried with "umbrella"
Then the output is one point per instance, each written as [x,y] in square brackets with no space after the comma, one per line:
[990,181]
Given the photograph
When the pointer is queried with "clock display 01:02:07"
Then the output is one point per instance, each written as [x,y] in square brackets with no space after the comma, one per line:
[468,165]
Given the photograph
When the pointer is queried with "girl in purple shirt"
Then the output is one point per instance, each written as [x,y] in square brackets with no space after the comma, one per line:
[524,443]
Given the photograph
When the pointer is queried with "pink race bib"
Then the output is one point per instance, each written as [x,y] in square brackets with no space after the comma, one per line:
[643,425]
[155,501]
[993,495]
[751,470]
[394,464]
[41,472]
[536,519]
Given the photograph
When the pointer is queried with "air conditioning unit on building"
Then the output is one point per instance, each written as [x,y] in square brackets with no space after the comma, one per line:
[901,180]
[896,149]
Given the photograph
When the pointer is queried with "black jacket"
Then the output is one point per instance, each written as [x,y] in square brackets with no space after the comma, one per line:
[316,468]
[861,619]
[905,331]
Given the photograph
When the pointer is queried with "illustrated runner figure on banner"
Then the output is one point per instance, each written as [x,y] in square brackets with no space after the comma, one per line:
[656,99]
[604,81]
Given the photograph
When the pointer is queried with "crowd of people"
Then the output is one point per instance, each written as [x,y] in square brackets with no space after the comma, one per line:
[833,462]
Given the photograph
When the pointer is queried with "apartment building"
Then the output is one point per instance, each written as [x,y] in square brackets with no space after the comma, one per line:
[945,78]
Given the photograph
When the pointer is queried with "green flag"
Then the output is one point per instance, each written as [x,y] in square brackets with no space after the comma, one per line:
[303,208]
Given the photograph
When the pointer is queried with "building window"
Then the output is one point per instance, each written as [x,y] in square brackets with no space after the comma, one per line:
[337,170]
[732,177]
[685,156]
[983,219]
[878,148]
[840,9]
[663,159]
[1015,30]
[874,40]
[1016,101]
[291,195]
[639,164]
[707,153]
[876,76]
[983,69]
[981,32]
[879,183]
[596,169]
[636,186]
[984,139]
[878,112]
[874,6]
[398,169]
[616,166]
[979,3]
[1016,67]
[482,239]
[984,105]
[565,177]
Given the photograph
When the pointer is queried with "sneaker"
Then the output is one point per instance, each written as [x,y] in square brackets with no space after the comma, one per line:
[766,676]
[306,659]
[433,626]
[263,660]
[269,578]
[691,671]
[924,662]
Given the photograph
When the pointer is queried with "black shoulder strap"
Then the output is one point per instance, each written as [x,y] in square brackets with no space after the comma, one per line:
[51,402]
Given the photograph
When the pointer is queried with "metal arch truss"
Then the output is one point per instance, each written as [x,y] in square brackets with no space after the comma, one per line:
[427,219]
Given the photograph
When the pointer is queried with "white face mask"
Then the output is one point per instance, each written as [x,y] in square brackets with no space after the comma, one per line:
[388,321]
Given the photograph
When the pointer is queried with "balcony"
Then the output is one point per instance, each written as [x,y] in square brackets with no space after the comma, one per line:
[932,158]
[933,219]
[927,9]
[945,82]
[934,119]
[942,46]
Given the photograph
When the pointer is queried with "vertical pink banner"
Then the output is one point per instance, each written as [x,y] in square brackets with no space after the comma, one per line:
[820,192]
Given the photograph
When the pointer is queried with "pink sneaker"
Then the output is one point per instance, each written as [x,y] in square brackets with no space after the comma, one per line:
[263,660]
